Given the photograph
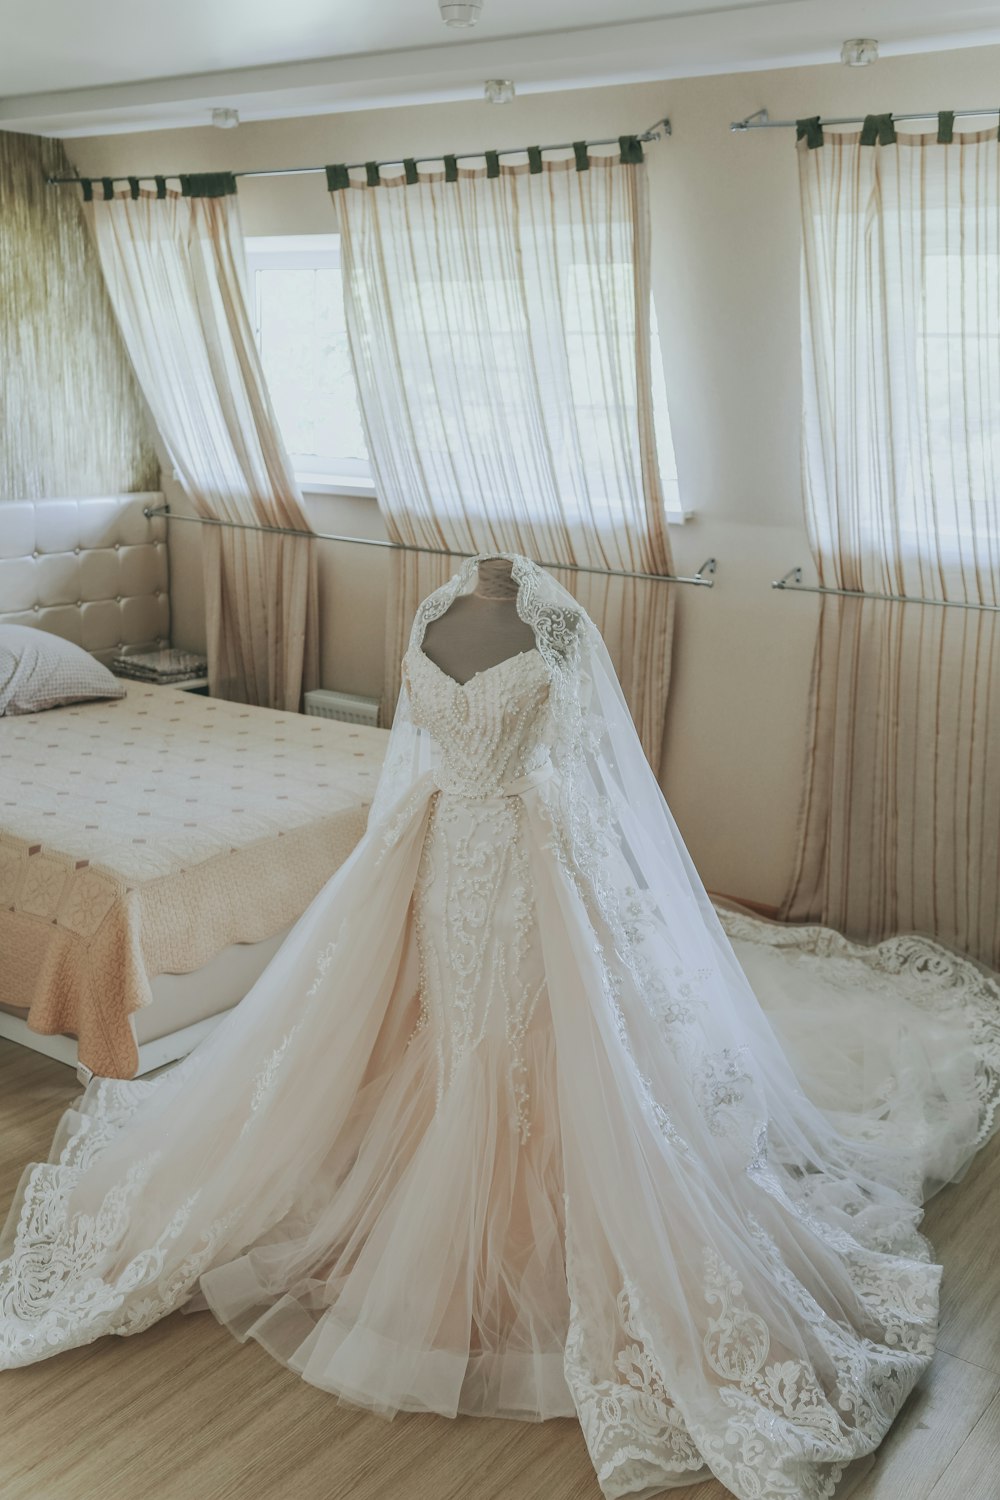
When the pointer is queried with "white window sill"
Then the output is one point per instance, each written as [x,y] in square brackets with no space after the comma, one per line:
[362,489]
[323,484]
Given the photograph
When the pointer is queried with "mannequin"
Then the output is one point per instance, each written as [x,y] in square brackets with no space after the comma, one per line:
[481,629]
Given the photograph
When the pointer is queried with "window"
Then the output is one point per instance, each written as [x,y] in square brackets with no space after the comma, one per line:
[297,301]
[958,357]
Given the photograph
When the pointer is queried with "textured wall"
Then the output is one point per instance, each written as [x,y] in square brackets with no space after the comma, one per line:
[71,418]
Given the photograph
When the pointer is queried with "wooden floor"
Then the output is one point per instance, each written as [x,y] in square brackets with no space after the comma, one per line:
[184,1412]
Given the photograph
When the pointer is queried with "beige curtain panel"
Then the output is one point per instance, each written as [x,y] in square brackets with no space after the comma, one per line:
[176,274]
[900,827]
[499,324]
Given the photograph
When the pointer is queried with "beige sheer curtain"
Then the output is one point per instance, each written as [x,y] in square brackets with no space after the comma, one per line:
[499,322]
[900,826]
[175,271]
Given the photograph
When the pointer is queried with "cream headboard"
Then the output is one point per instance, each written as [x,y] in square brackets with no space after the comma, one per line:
[92,570]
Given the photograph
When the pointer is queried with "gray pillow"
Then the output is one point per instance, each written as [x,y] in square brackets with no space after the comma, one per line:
[39,671]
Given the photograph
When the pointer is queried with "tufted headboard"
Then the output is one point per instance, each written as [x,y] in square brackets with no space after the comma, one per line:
[94,570]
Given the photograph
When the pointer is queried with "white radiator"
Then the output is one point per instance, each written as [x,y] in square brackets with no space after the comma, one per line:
[351,708]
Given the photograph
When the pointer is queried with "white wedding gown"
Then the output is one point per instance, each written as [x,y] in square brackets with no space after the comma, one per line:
[503,1129]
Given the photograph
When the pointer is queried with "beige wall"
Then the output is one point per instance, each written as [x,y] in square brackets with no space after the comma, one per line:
[725,267]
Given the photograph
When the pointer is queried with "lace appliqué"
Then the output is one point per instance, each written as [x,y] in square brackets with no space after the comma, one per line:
[634,1432]
[478,979]
[719,1084]
[267,1076]
[939,981]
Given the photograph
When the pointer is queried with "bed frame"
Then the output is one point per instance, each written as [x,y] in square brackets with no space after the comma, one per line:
[96,571]
[176,1019]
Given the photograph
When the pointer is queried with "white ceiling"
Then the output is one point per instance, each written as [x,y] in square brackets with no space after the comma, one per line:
[68,68]
[63,44]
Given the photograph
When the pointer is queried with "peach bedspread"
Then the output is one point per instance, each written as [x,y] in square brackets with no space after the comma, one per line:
[142,836]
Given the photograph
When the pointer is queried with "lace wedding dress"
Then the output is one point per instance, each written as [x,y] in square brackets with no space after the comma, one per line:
[511,1127]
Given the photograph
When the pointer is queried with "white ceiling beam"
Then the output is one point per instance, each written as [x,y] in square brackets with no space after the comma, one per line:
[783,34]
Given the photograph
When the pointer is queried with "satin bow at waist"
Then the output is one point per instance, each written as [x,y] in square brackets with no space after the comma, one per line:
[514,788]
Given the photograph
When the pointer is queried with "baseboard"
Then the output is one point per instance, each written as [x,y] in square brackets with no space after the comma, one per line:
[762,908]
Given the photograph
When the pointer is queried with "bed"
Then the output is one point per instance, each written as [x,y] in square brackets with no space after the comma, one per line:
[154,849]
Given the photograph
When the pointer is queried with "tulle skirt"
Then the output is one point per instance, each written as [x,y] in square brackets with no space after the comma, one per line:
[427,1270]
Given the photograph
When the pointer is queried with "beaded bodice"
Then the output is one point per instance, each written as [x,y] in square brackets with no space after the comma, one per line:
[490,731]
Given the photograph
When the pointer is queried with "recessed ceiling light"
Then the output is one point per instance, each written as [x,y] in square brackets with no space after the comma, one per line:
[460,12]
[859,52]
[499,90]
[225,119]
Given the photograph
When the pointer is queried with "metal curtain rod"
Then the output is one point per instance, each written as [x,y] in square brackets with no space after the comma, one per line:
[796,586]
[759,119]
[655,132]
[703,578]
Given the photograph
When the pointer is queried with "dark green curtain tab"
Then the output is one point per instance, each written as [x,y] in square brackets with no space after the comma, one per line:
[410,171]
[869,130]
[88,189]
[133,186]
[108,184]
[631,150]
[582,156]
[161,186]
[946,127]
[878,128]
[492,164]
[372,175]
[208,184]
[534,159]
[450,169]
[810,131]
[337,177]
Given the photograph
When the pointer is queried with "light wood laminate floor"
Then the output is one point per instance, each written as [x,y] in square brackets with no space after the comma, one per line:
[184,1412]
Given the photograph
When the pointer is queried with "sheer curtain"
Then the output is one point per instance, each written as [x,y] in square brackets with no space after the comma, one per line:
[499,323]
[900,825]
[175,271]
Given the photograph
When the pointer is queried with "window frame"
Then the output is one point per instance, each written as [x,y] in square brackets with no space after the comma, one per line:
[340,476]
[354,477]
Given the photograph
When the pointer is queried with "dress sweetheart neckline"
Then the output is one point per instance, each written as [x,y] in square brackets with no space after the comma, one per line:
[484,672]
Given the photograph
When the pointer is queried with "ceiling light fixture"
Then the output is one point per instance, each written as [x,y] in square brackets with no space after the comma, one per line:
[225,119]
[499,90]
[859,52]
[460,12]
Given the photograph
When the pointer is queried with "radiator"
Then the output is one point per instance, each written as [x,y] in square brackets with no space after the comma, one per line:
[351,708]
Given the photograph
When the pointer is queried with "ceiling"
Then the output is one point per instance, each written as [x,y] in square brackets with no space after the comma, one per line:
[119,65]
[61,44]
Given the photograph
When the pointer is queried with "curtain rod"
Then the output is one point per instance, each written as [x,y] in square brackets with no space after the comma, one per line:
[759,119]
[655,132]
[792,584]
[703,578]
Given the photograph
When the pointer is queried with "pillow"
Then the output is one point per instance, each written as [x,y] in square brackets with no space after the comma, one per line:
[38,671]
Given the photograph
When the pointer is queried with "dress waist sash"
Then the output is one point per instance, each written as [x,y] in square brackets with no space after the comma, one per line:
[514,788]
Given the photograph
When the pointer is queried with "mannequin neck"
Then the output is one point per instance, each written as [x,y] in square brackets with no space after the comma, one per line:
[496,581]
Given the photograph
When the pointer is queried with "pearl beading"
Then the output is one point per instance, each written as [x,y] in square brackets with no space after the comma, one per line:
[481,976]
